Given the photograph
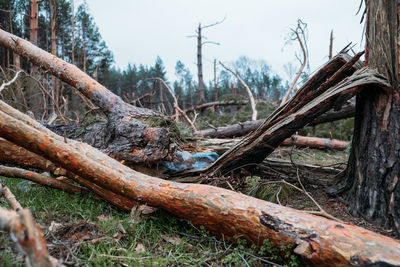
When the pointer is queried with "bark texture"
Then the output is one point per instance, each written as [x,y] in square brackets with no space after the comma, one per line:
[324,91]
[244,128]
[370,185]
[226,213]
[123,135]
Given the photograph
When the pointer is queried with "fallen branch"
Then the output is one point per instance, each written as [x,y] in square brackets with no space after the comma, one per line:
[176,106]
[222,145]
[25,231]
[5,84]
[217,103]
[13,172]
[251,97]
[244,128]
[223,212]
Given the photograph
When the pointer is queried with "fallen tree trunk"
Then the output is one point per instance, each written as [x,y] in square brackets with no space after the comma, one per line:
[224,212]
[320,94]
[123,136]
[217,104]
[315,142]
[20,156]
[220,146]
[244,128]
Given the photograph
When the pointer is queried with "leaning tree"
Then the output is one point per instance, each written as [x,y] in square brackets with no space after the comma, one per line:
[370,185]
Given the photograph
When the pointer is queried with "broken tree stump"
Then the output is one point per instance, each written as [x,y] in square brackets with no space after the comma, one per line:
[226,213]
[123,136]
[320,94]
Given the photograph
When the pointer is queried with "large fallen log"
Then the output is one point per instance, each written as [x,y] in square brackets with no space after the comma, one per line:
[320,94]
[244,128]
[318,241]
[123,136]
[16,155]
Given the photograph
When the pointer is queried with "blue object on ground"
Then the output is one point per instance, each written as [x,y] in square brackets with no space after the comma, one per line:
[185,160]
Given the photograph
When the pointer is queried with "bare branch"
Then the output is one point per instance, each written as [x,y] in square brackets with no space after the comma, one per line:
[251,97]
[176,106]
[299,31]
[4,85]
[216,23]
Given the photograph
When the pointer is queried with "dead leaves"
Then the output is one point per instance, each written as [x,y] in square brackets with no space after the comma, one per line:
[140,211]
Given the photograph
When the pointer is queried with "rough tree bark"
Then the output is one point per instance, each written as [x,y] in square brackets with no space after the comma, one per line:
[223,145]
[123,135]
[370,185]
[324,91]
[202,97]
[224,212]
[243,128]
[25,231]
[34,24]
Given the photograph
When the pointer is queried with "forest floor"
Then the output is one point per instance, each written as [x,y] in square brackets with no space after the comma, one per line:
[89,232]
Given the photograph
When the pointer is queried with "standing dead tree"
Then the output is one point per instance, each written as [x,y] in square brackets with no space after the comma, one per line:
[224,212]
[299,33]
[251,97]
[370,186]
[123,133]
[200,44]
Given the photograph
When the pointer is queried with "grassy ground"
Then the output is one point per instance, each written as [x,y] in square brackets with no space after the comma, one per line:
[89,232]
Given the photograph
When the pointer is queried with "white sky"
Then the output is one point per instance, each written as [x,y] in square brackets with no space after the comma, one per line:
[137,31]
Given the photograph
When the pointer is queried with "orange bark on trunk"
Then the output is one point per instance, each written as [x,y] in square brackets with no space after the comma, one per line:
[224,212]
[315,142]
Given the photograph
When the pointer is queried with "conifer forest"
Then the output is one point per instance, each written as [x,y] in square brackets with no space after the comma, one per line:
[216,162]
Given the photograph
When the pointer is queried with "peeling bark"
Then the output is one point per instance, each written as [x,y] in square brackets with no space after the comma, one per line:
[26,232]
[223,212]
[123,136]
[321,93]
[370,184]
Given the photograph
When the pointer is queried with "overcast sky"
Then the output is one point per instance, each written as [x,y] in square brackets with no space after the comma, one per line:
[137,31]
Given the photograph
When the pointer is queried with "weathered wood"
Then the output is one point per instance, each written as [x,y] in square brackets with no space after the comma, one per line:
[220,146]
[13,154]
[222,211]
[20,223]
[320,94]
[370,185]
[315,142]
[244,128]
[123,136]
[216,104]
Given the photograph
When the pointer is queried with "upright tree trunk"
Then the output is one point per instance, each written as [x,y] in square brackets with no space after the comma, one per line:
[72,32]
[54,90]
[34,23]
[200,66]
[215,81]
[370,185]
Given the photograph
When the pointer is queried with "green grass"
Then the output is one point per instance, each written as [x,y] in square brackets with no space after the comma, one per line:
[194,247]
